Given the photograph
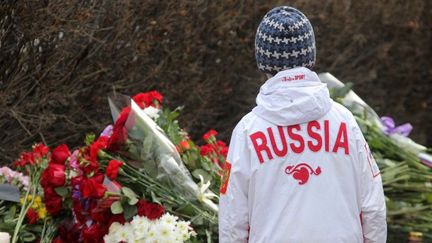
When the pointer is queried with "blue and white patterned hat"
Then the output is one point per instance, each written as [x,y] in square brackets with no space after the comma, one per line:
[285,39]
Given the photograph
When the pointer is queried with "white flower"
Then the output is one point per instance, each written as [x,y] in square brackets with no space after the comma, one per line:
[152,112]
[206,195]
[165,232]
[124,233]
[168,219]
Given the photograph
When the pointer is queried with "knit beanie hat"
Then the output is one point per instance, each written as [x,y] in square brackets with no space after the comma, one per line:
[284,39]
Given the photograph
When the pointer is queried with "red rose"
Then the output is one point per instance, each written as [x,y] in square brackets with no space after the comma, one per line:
[150,210]
[206,150]
[93,187]
[54,175]
[112,169]
[209,134]
[31,216]
[94,233]
[60,154]
[53,205]
[40,150]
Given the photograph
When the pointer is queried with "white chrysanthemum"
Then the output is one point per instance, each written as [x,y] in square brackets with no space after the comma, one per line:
[109,239]
[169,219]
[141,226]
[183,231]
[152,112]
[124,233]
[114,227]
[165,232]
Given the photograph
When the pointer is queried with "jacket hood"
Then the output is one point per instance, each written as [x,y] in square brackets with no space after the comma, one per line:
[292,97]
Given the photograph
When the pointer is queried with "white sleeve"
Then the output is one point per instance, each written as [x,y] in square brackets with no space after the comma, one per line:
[233,202]
[373,208]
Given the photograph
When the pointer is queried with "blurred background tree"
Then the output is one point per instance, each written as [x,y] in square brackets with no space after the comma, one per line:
[60,59]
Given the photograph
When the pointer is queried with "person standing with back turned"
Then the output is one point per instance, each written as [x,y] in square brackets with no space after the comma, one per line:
[299,168]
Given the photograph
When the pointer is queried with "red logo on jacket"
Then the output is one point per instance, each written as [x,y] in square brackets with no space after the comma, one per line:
[301,172]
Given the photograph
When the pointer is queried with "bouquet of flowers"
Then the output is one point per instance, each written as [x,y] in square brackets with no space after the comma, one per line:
[142,179]
[405,165]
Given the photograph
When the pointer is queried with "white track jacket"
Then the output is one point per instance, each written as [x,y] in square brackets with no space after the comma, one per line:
[300,170]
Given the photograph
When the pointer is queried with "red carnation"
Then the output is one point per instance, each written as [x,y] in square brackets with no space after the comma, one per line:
[206,149]
[60,154]
[54,175]
[32,216]
[150,210]
[94,233]
[99,144]
[117,139]
[40,150]
[209,134]
[58,240]
[112,169]
[93,187]
[53,203]
[26,158]
[119,218]
[155,96]
[152,98]
[122,118]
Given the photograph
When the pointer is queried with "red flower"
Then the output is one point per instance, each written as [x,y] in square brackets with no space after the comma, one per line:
[209,134]
[206,150]
[32,216]
[119,218]
[53,204]
[26,158]
[60,154]
[58,240]
[223,149]
[99,144]
[112,169]
[117,139]
[122,118]
[150,210]
[152,98]
[54,175]
[91,165]
[93,187]
[40,150]
[94,233]
[184,145]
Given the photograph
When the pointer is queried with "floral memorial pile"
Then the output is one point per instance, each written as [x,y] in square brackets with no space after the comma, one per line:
[143,179]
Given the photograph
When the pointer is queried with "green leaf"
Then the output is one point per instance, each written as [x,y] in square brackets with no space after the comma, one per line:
[155,198]
[89,139]
[132,201]
[128,192]
[62,191]
[129,211]
[116,208]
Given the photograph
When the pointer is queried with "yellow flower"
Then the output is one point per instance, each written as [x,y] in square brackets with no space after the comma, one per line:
[42,213]
[38,200]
